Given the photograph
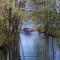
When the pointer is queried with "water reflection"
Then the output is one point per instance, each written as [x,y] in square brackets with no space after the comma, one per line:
[33,47]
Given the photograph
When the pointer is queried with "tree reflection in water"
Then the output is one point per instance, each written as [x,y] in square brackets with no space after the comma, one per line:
[34,47]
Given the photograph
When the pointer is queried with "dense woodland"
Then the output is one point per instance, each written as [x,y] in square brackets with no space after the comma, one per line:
[12,13]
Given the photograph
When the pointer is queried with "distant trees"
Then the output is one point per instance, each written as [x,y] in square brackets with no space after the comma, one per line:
[46,16]
[47,20]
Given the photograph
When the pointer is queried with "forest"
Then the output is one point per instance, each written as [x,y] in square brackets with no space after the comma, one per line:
[44,15]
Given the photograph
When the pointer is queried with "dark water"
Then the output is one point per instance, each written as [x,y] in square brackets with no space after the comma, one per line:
[33,47]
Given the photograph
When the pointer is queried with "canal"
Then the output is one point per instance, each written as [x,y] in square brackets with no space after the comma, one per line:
[33,46]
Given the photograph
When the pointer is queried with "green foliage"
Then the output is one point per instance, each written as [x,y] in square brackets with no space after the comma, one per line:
[48,16]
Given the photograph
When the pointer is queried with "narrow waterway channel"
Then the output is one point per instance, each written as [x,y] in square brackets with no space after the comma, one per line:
[33,46]
[33,43]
